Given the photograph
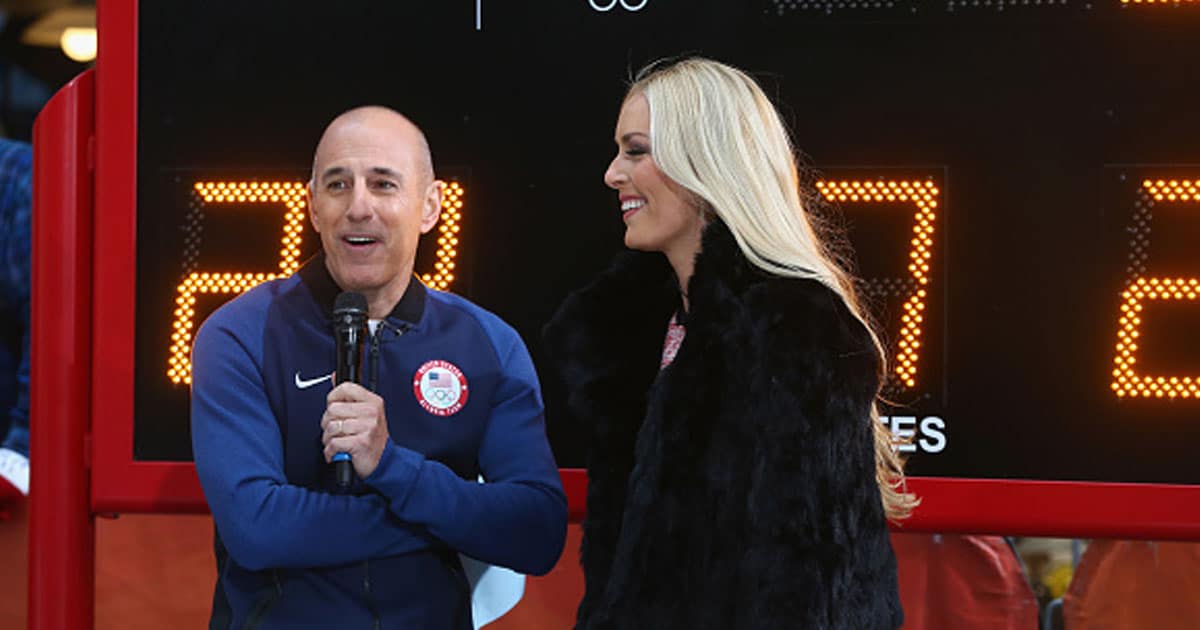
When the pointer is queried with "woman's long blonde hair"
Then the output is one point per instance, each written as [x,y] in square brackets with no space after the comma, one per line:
[716,133]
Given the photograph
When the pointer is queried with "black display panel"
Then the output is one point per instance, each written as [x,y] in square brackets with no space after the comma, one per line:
[1033,139]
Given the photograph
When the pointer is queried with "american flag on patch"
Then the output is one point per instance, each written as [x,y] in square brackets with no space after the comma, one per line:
[436,380]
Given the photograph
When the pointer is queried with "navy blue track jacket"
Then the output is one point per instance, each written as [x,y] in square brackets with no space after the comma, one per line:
[462,400]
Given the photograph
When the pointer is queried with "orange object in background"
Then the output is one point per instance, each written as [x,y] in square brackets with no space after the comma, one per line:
[951,582]
[1135,585]
[14,581]
[157,571]
[550,601]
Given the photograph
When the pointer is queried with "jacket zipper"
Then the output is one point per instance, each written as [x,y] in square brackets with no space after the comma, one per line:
[373,385]
[375,624]
[265,604]
[373,382]
[376,339]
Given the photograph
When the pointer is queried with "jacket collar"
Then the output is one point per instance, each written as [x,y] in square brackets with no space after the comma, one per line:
[620,318]
[315,275]
[721,273]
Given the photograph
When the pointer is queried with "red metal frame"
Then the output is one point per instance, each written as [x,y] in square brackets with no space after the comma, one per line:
[82,373]
[61,535]
[121,484]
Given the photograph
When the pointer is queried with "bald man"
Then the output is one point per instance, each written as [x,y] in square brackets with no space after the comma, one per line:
[449,395]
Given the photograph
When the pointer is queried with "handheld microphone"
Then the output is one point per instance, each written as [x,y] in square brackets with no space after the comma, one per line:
[350,329]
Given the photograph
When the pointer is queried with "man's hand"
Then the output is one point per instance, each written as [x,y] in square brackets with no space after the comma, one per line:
[354,423]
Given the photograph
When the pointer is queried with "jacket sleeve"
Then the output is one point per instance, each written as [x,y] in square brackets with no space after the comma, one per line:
[817,549]
[518,518]
[264,521]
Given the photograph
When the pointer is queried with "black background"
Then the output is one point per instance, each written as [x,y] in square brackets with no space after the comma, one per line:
[1036,121]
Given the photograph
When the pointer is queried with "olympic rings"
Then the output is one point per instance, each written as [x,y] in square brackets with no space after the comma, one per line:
[442,395]
[613,3]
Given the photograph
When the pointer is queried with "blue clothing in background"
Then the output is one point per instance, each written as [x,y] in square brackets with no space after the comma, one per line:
[16,213]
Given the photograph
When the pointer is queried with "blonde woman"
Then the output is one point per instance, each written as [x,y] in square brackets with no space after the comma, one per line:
[738,476]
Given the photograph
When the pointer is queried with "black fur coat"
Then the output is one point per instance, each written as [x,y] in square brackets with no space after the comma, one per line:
[736,488]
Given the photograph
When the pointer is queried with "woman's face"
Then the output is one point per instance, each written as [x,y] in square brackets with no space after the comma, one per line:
[658,213]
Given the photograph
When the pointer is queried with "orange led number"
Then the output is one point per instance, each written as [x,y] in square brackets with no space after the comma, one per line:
[291,195]
[924,195]
[1138,289]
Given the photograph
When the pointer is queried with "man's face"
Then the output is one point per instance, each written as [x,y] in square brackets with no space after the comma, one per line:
[372,196]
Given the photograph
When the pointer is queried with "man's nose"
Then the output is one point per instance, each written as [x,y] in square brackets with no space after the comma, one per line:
[361,204]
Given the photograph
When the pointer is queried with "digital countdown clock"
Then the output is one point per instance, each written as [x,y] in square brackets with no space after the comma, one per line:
[1017,181]
[1018,189]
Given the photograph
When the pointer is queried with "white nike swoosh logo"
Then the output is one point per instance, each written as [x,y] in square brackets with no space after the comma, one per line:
[305,384]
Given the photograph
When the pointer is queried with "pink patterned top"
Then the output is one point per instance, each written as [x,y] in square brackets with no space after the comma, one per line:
[674,339]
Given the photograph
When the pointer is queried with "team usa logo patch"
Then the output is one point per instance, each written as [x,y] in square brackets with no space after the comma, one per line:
[440,387]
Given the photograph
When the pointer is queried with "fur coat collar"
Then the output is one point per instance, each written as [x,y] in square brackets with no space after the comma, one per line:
[736,487]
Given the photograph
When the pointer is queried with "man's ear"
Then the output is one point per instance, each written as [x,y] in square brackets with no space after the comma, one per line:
[432,209]
[312,207]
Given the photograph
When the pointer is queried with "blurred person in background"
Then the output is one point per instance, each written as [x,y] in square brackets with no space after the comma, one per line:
[16,210]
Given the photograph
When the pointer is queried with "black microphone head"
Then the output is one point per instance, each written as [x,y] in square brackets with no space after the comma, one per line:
[349,303]
[349,328]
